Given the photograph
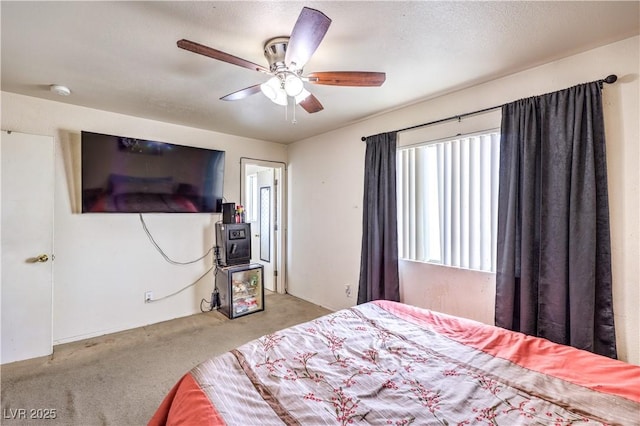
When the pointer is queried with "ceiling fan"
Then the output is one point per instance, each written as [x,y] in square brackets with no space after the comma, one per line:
[287,56]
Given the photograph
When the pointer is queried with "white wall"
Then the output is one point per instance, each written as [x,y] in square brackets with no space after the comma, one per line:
[326,175]
[104,262]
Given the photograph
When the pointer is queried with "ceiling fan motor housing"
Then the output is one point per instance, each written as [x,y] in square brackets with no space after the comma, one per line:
[275,51]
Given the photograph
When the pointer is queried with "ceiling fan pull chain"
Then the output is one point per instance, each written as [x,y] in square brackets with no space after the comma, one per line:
[294,121]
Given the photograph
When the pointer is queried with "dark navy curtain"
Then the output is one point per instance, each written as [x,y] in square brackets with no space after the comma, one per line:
[379,259]
[553,275]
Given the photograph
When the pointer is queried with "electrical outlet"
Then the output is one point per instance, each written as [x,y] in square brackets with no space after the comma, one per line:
[148,296]
[347,290]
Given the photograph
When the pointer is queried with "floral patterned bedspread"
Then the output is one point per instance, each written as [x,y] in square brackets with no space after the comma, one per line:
[371,365]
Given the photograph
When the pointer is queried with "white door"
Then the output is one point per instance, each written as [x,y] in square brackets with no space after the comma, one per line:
[263,199]
[27,166]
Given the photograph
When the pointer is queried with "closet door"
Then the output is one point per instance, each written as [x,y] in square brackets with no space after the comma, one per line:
[27,166]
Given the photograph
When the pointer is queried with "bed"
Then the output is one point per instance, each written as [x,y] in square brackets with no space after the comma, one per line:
[387,363]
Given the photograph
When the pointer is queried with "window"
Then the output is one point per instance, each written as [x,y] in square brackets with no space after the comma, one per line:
[448,200]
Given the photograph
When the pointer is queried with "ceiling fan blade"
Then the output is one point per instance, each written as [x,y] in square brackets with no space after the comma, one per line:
[192,46]
[241,94]
[306,36]
[347,78]
[311,104]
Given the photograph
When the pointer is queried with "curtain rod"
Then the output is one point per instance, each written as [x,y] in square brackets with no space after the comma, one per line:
[609,80]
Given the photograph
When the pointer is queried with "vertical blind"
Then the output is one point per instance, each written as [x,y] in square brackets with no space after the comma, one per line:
[448,200]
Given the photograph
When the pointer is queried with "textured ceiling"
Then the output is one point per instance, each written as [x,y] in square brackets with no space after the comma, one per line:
[122,56]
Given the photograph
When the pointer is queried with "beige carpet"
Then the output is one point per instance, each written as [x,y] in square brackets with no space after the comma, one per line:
[120,379]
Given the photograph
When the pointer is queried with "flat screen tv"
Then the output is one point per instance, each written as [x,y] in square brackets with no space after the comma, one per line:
[127,175]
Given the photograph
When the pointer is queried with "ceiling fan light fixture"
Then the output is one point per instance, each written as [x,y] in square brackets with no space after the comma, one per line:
[273,90]
[302,96]
[268,90]
[293,85]
[281,99]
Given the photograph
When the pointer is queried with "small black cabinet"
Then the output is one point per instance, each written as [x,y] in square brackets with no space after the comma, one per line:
[241,289]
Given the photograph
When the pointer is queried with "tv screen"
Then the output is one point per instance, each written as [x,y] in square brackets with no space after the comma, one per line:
[127,175]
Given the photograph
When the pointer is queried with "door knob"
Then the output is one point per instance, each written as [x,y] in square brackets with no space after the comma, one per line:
[42,258]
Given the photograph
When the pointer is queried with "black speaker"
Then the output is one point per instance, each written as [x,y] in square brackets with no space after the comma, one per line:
[234,243]
[228,212]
